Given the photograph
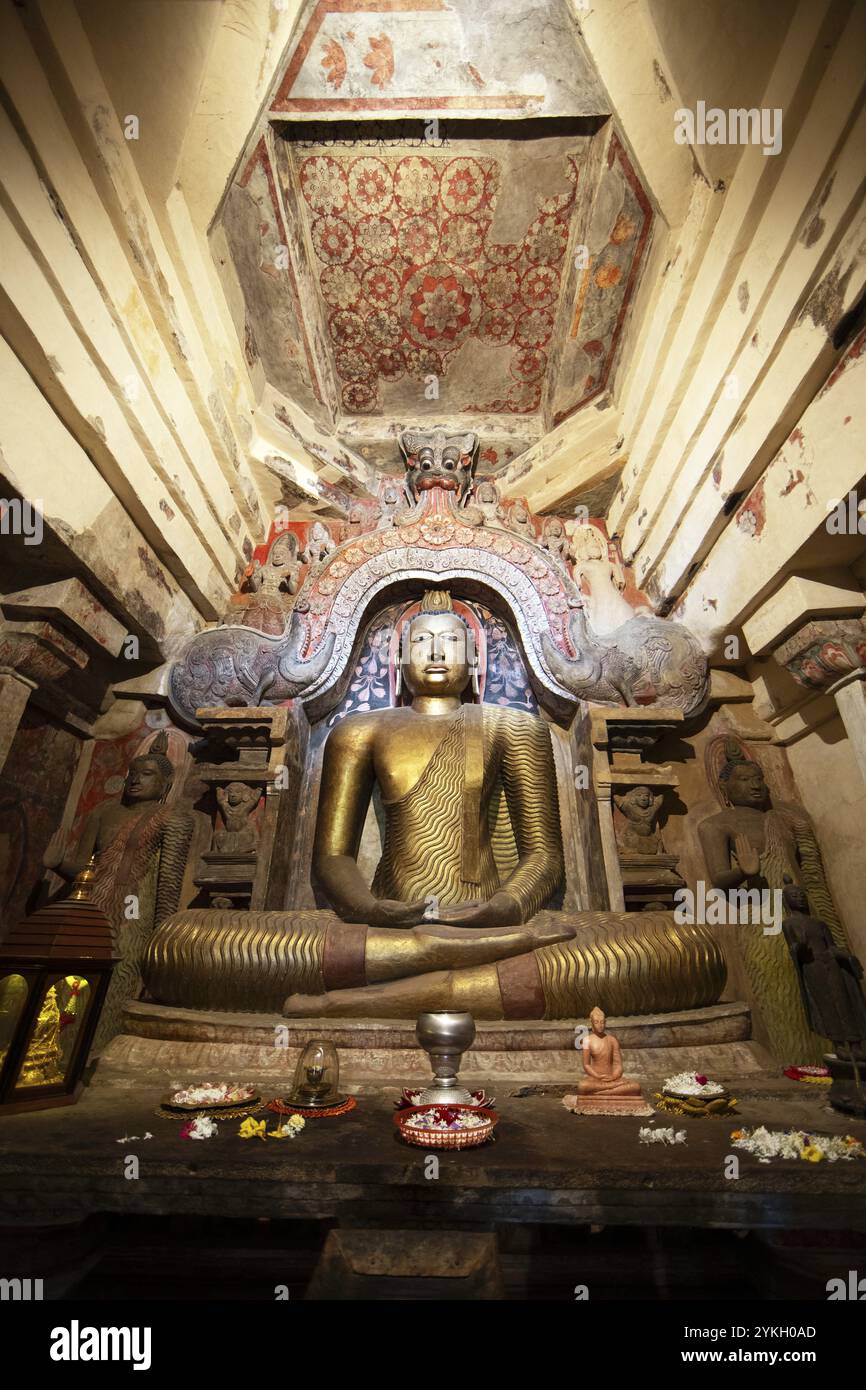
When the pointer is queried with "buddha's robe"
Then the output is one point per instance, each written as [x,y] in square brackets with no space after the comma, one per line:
[437,836]
[444,838]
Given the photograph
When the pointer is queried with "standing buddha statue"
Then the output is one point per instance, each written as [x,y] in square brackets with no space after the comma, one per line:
[140,843]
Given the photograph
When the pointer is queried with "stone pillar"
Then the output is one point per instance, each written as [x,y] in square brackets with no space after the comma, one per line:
[851,703]
[14,693]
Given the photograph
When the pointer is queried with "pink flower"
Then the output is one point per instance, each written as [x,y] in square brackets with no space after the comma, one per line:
[701,1080]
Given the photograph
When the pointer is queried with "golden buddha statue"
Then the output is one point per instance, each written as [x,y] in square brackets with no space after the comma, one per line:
[453,918]
[42,1065]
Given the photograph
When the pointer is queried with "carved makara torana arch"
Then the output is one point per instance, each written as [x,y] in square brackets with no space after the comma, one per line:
[472,572]
[448,530]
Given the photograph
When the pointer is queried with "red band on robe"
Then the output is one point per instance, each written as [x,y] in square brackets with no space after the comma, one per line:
[520,987]
[343,956]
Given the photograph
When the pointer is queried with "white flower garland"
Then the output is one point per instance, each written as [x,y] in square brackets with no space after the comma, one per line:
[661,1136]
[768,1144]
[685,1083]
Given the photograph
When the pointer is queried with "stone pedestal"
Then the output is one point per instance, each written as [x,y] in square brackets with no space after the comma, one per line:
[161,1044]
[607,1105]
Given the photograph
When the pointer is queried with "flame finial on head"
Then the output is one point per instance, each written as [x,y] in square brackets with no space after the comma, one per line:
[437,601]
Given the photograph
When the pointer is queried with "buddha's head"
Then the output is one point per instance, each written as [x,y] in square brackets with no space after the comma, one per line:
[150,775]
[438,649]
[596,1020]
[742,781]
[794,898]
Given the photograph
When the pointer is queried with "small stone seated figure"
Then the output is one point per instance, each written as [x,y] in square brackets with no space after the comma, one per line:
[603,1089]
[439,927]
[602,1063]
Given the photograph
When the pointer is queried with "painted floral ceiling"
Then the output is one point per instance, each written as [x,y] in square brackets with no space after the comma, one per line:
[481,275]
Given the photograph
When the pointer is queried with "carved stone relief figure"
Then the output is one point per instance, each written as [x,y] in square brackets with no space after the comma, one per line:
[645,661]
[274,583]
[554,538]
[237,801]
[284,564]
[485,508]
[639,834]
[600,579]
[518,519]
[830,977]
[320,544]
[393,505]
[141,844]
[758,843]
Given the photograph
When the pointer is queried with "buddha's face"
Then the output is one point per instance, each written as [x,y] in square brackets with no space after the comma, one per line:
[145,781]
[596,1020]
[437,656]
[746,786]
[795,899]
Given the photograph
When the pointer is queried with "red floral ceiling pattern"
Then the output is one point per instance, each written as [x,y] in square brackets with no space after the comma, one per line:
[408,271]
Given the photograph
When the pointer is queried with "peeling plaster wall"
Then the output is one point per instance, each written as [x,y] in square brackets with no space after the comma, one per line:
[152,54]
[720,54]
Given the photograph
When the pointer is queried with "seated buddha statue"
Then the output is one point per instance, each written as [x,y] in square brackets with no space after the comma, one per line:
[602,1062]
[442,925]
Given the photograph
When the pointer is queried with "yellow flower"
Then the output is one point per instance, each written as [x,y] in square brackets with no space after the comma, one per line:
[252,1129]
[289,1129]
[737,1134]
[812,1153]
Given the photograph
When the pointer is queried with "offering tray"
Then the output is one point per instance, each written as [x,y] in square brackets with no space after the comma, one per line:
[238,1097]
[426,1137]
